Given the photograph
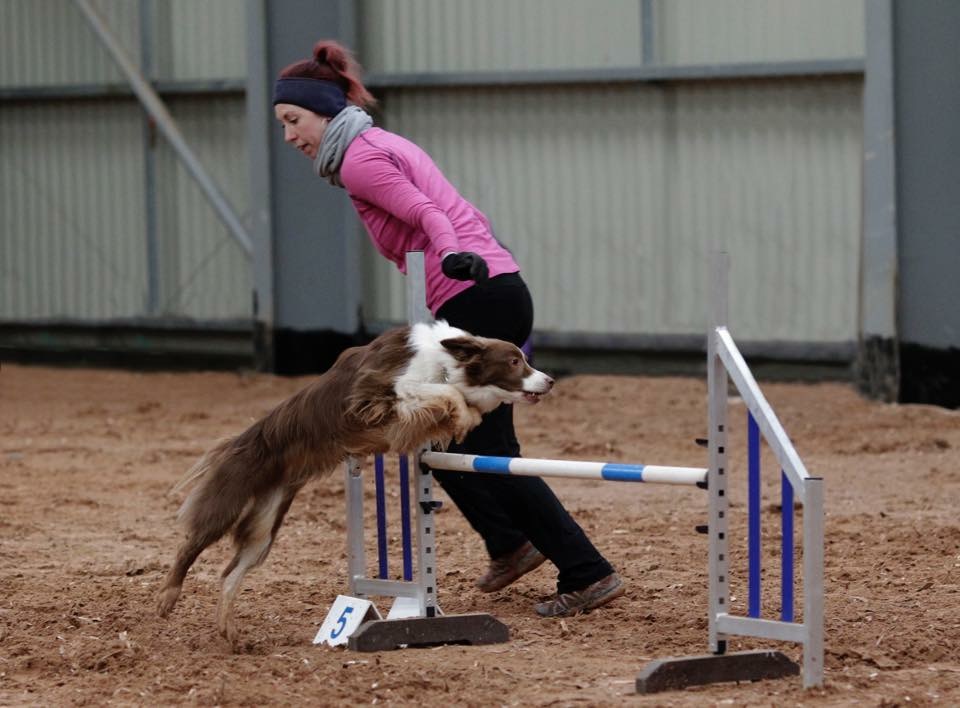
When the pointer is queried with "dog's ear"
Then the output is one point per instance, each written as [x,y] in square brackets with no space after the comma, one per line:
[462,348]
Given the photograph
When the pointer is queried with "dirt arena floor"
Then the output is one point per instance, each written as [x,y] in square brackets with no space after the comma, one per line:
[87,530]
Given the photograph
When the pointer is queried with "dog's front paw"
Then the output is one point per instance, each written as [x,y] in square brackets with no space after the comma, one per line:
[468,419]
[442,440]
[475,418]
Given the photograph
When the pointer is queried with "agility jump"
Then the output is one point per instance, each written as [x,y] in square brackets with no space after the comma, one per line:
[724,364]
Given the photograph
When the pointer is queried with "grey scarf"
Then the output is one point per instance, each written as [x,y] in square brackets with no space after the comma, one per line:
[344,127]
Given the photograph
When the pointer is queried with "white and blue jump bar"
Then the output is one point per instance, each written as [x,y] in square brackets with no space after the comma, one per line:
[532,467]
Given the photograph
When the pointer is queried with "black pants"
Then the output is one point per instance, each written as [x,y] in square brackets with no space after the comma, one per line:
[505,510]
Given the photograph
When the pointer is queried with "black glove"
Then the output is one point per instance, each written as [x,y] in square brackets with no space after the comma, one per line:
[465,266]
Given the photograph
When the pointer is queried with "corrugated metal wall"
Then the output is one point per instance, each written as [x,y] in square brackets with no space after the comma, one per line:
[205,273]
[611,214]
[201,40]
[770,171]
[466,35]
[411,36]
[733,31]
[612,195]
[71,211]
[73,186]
[46,42]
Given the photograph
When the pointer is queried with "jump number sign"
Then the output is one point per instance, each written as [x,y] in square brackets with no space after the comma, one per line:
[341,622]
[343,619]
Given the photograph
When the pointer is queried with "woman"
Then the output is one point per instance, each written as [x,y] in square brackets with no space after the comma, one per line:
[473,282]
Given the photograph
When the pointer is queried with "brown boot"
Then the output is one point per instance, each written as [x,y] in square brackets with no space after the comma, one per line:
[505,569]
[572,603]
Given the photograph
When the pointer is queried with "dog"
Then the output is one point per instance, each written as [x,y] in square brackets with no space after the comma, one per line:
[411,386]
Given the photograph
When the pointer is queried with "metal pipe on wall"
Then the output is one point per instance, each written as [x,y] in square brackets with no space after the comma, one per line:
[155,106]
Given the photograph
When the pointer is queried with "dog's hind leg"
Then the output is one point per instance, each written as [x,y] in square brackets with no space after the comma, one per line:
[186,555]
[253,539]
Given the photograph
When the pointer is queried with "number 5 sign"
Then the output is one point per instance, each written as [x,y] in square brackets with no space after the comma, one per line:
[344,617]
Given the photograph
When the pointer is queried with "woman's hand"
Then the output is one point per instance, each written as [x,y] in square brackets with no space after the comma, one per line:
[465,266]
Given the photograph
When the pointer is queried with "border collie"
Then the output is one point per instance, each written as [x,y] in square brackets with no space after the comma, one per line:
[429,383]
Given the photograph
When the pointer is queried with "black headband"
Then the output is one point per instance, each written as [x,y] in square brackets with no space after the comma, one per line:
[317,95]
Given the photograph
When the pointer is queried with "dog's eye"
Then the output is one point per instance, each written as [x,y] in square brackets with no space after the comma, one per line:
[515,361]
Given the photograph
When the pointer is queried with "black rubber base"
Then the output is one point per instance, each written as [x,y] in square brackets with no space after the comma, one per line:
[672,674]
[385,635]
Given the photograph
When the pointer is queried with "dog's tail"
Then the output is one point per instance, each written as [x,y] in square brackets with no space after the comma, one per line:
[201,466]
[225,480]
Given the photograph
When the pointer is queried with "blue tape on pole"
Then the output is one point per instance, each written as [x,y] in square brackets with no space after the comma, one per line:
[499,465]
[622,473]
[786,569]
[405,518]
[381,517]
[753,515]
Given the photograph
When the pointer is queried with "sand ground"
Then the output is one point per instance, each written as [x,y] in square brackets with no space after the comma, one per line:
[87,530]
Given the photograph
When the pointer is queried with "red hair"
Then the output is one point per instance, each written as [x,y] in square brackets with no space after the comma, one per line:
[333,62]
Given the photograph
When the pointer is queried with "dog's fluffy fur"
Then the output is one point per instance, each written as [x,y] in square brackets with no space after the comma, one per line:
[410,386]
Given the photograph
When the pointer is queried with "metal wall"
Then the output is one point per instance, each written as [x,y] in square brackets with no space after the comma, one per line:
[200,41]
[71,211]
[732,31]
[93,204]
[204,272]
[466,35]
[771,171]
[611,193]
[611,213]
[410,36]
[46,42]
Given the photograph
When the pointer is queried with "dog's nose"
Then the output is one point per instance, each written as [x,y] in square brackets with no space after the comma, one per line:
[550,381]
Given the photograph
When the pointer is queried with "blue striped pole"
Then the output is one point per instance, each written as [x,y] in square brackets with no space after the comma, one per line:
[786,567]
[531,467]
[381,517]
[405,518]
[753,515]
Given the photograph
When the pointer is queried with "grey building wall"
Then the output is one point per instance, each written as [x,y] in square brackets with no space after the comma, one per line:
[613,150]
[927,98]
[688,125]
[420,36]
[100,225]
[734,31]
[927,103]
[611,197]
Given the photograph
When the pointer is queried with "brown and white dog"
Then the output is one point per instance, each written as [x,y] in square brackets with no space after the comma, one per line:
[408,387]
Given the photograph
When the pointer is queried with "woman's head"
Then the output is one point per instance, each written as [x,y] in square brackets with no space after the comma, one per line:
[310,92]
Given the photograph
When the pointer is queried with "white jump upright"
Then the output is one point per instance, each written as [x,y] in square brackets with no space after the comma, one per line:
[430,626]
[423,589]
[724,362]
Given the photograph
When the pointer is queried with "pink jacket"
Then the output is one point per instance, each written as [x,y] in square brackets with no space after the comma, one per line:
[406,204]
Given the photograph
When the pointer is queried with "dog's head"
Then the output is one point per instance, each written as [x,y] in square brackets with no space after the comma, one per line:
[491,371]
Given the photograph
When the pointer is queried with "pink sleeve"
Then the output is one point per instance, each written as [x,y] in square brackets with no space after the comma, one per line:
[377,179]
